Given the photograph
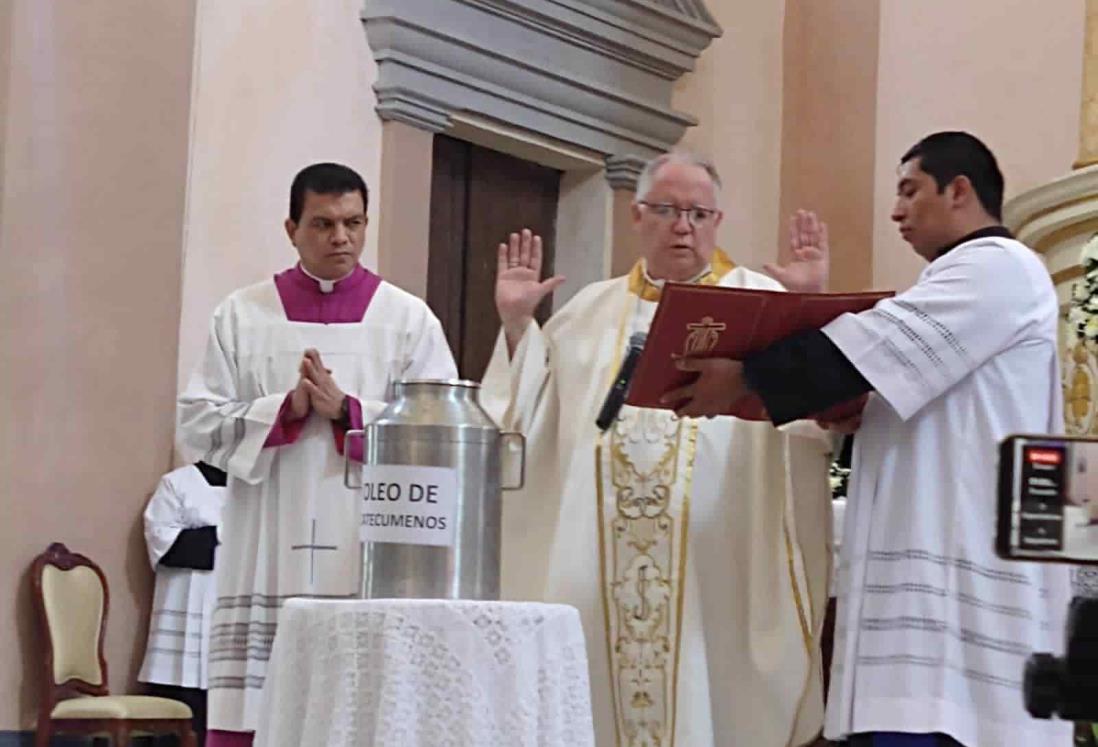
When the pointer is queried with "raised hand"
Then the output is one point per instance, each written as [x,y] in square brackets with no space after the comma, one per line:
[810,255]
[519,287]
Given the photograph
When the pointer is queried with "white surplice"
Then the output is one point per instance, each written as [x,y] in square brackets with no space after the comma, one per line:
[933,629]
[290,527]
[695,550]
[177,651]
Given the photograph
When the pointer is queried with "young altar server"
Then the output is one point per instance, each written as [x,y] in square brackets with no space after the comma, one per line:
[181,521]
[933,629]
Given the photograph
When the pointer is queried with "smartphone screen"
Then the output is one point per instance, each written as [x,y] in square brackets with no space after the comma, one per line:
[1048,499]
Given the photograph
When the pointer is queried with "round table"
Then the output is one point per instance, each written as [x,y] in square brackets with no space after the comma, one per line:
[426,673]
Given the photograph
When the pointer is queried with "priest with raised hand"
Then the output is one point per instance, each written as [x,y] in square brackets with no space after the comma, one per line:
[292,364]
[695,550]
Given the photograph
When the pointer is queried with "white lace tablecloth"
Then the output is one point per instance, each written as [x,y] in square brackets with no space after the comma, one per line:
[426,673]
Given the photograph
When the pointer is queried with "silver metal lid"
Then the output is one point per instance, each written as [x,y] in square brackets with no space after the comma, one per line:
[443,382]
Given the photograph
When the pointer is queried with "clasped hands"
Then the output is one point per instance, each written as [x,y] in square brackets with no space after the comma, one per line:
[316,389]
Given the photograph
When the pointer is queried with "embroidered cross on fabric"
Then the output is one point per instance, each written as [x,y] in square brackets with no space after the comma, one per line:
[312,547]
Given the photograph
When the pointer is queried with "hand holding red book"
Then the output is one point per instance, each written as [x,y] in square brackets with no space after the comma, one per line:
[705,321]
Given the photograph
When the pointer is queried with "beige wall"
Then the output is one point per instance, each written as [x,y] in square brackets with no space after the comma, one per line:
[106,298]
[1009,71]
[584,245]
[829,94]
[864,81]
[6,13]
[279,84]
[736,94]
[95,136]
[403,217]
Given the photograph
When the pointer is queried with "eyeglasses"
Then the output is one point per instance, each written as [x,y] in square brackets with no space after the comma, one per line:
[695,214]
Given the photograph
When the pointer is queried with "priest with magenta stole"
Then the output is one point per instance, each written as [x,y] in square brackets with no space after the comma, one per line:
[291,365]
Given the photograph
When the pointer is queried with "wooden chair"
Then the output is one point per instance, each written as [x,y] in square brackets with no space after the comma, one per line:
[71,597]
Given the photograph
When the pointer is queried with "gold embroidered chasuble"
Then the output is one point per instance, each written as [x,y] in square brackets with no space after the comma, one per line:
[700,599]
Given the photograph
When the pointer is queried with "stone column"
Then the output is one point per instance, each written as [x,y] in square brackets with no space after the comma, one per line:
[1088,124]
[404,208]
[622,173]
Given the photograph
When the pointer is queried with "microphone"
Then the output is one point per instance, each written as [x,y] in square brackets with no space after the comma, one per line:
[615,398]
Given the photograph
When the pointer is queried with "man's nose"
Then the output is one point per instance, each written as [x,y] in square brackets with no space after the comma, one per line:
[682,223]
[897,213]
[339,235]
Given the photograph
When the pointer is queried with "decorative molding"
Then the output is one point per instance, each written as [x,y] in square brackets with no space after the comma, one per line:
[1047,216]
[1030,205]
[623,171]
[1081,230]
[685,26]
[400,105]
[1088,114]
[593,74]
[693,9]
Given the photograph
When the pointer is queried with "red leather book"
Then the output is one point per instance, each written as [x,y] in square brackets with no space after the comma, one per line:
[709,321]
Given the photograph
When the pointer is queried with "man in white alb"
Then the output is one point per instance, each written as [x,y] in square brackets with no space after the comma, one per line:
[181,522]
[696,551]
[293,363]
[933,629]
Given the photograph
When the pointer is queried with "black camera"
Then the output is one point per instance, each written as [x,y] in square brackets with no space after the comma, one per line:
[1048,511]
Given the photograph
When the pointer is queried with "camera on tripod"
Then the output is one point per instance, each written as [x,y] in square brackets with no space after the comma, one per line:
[1048,512]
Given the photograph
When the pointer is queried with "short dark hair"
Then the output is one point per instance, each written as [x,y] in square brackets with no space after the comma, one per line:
[947,155]
[325,179]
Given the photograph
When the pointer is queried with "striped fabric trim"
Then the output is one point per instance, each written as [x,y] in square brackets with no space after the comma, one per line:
[233,413]
[937,591]
[931,625]
[177,614]
[992,574]
[247,653]
[902,357]
[941,329]
[193,635]
[904,329]
[937,663]
[248,682]
[250,640]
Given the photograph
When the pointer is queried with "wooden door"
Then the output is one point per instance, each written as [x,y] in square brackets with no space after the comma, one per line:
[478,197]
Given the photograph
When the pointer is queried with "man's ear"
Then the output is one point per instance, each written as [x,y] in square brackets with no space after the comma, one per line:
[961,191]
[291,228]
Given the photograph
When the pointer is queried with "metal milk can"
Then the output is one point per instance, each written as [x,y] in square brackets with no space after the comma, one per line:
[434,465]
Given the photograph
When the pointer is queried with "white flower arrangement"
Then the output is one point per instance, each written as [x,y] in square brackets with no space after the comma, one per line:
[1082,316]
[839,477]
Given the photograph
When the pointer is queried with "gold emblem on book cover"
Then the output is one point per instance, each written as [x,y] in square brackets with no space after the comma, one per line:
[703,336]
